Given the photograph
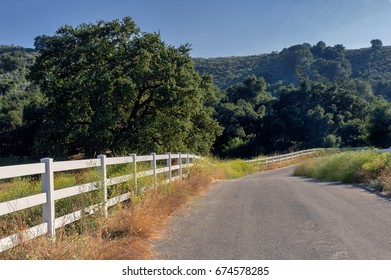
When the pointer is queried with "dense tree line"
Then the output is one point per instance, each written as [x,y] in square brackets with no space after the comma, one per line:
[317,96]
[108,86]
[312,114]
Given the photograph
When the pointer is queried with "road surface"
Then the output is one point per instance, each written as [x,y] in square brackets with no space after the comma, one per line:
[275,216]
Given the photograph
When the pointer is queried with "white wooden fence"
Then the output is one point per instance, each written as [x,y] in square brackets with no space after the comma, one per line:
[291,156]
[50,194]
[285,157]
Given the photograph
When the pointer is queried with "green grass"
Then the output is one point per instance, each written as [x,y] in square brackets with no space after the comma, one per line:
[228,169]
[347,167]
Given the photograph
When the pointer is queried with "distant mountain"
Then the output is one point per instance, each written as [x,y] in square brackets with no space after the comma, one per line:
[317,63]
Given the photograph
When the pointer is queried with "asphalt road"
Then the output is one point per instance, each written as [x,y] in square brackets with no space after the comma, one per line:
[276,216]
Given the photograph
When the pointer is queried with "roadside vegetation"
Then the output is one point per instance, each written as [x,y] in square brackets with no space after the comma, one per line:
[131,226]
[369,168]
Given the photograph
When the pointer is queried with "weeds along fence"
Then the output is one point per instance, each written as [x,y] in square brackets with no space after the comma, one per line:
[287,157]
[169,167]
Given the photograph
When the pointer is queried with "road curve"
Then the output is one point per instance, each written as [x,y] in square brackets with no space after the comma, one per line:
[275,216]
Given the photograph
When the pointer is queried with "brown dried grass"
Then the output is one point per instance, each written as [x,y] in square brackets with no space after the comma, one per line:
[128,232]
[385,180]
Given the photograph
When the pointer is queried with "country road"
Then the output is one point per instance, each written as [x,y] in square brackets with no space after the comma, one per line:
[276,216]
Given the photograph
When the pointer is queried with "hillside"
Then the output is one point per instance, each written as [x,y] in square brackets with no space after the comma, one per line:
[318,62]
[284,67]
[14,65]
[302,97]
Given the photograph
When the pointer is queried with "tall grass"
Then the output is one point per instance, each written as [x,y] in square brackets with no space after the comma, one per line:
[351,167]
[229,169]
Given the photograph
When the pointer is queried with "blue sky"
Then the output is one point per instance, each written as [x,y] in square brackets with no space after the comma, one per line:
[213,27]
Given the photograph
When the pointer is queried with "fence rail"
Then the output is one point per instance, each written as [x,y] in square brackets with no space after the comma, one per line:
[49,194]
[285,157]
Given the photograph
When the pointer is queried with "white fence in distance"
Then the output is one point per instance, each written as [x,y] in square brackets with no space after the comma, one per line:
[291,156]
[50,194]
[285,157]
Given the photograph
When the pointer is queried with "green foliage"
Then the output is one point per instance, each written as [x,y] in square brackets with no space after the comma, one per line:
[376,164]
[319,115]
[380,125]
[313,114]
[376,43]
[111,87]
[20,102]
[317,63]
[332,141]
[347,167]
[323,97]
[235,169]
[241,112]
[228,169]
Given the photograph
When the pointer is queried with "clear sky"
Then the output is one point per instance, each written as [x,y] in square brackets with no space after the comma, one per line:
[213,27]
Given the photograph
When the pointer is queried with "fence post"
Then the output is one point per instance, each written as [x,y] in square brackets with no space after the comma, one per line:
[169,164]
[180,165]
[103,174]
[188,163]
[134,171]
[48,210]
[153,165]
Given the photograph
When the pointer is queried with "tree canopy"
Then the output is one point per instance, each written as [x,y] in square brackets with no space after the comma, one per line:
[111,87]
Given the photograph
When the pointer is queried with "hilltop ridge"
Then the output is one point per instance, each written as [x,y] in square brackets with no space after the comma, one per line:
[315,62]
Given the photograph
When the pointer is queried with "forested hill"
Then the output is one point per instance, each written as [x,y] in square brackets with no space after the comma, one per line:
[302,97]
[317,63]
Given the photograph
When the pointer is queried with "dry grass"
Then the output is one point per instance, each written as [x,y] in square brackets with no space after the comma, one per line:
[128,232]
[385,180]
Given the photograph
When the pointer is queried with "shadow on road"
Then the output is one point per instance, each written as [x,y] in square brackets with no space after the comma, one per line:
[364,187]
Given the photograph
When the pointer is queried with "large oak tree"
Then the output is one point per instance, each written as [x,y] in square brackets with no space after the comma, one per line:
[112,87]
